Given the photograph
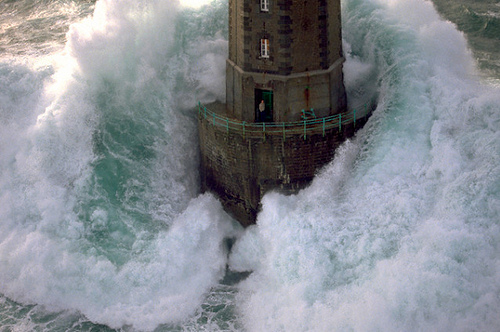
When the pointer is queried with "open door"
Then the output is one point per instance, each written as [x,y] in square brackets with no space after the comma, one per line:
[267,97]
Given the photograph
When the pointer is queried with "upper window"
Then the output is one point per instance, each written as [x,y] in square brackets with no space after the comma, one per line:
[264,5]
[264,48]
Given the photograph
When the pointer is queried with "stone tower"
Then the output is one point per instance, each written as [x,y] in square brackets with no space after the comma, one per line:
[290,51]
[285,110]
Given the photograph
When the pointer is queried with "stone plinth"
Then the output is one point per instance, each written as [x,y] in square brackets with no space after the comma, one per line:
[240,166]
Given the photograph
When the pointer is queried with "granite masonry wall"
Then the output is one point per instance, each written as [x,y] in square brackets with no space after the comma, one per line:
[241,169]
[302,70]
[305,58]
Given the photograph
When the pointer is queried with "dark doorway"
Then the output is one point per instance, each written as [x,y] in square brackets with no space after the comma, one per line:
[267,97]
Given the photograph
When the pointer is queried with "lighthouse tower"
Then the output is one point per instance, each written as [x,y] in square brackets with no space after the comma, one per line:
[285,110]
[287,53]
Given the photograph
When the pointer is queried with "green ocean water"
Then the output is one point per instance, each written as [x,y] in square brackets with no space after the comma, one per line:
[480,21]
[102,224]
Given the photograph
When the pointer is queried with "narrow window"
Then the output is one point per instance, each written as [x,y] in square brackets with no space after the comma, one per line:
[264,48]
[264,5]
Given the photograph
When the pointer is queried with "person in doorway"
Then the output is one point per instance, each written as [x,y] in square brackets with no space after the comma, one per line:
[262,109]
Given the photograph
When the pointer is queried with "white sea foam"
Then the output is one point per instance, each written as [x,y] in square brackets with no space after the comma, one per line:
[75,235]
[399,232]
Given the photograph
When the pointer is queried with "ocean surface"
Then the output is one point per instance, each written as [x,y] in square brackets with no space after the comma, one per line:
[102,224]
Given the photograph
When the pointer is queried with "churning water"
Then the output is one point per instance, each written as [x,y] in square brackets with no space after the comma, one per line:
[102,225]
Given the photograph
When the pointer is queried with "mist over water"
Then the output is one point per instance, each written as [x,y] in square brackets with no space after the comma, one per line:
[102,225]
[481,21]
[35,28]
[100,207]
[400,232]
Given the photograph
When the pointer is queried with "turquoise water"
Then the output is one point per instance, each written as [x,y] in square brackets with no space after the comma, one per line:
[102,226]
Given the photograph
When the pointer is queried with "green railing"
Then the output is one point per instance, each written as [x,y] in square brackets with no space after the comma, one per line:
[255,129]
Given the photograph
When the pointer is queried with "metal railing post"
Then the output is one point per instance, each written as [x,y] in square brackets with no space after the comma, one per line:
[292,127]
